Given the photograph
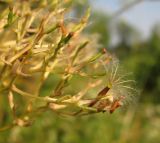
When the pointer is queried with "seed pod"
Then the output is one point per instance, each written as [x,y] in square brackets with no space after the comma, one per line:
[116,104]
[101,94]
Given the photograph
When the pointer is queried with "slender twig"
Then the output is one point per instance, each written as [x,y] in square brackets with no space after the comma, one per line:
[125,8]
[7,127]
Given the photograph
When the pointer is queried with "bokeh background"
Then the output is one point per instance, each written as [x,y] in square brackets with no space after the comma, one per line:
[133,35]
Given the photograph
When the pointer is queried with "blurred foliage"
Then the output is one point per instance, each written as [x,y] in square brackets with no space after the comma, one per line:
[143,59]
[98,24]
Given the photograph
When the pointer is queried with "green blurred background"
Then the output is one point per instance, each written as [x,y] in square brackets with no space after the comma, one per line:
[137,123]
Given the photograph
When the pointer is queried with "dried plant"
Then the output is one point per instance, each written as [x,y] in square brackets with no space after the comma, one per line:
[38,43]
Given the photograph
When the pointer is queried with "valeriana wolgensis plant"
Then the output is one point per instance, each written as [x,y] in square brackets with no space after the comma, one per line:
[39,45]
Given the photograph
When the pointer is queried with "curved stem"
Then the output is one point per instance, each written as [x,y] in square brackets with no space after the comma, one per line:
[7,127]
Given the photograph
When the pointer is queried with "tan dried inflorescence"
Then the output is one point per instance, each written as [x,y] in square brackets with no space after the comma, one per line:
[36,44]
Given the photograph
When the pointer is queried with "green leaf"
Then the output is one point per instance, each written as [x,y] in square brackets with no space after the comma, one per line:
[79,49]
[95,57]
